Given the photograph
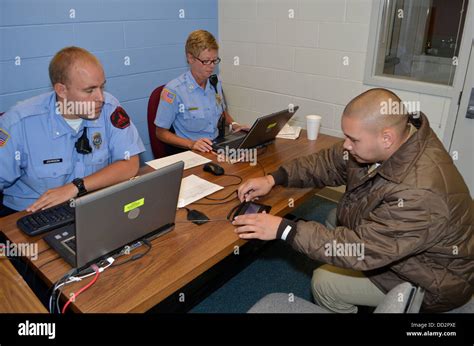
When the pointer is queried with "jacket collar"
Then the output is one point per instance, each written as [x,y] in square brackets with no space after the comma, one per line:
[398,165]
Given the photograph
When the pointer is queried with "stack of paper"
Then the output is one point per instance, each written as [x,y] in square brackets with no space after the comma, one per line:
[189,158]
[289,132]
[194,188]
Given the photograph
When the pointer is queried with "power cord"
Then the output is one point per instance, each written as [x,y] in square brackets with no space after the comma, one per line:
[230,194]
[201,221]
[48,262]
[220,199]
[136,256]
[230,200]
[97,270]
[72,275]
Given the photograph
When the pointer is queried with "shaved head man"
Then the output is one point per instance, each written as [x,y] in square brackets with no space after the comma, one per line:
[405,209]
[373,130]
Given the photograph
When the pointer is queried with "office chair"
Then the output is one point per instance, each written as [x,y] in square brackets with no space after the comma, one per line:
[403,298]
[158,147]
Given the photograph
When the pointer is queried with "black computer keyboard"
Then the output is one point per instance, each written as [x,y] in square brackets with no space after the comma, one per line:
[46,220]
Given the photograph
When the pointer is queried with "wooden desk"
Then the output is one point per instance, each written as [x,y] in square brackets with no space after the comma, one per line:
[181,255]
[15,294]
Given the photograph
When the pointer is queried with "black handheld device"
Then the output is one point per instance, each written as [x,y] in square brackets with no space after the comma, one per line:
[248,208]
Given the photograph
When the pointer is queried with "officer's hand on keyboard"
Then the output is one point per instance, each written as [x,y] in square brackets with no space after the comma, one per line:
[239,127]
[53,197]
[203,144]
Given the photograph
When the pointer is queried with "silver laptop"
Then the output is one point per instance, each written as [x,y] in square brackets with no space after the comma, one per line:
[263,132]
[109,219]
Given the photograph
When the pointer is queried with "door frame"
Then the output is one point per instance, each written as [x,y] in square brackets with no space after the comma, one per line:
[460,77]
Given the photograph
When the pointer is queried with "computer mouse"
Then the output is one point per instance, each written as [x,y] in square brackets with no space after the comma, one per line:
[197,217]
[213,168]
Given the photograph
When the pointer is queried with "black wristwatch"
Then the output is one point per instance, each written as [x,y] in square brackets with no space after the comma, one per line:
[80,186]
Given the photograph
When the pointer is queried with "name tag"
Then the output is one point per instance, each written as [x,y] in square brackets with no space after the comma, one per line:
[47,162]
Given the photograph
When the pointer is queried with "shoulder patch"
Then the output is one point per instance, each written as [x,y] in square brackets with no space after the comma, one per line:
[119,118]
[3,137]
[167,96]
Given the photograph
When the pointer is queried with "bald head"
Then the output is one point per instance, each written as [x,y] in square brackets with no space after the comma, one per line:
[378,109]
[66,60]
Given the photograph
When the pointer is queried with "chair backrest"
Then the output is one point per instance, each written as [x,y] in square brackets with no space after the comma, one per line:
[403,298]
[157,146]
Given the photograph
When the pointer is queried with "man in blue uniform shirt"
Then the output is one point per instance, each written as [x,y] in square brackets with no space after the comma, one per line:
[62,144]
[189,103]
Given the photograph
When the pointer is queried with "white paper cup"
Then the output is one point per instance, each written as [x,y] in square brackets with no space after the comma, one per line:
[313,122]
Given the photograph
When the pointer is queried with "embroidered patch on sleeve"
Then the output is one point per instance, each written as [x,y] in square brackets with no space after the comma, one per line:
[120,118]
[3,137]
[167,96]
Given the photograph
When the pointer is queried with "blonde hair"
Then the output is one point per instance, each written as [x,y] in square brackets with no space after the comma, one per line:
[200,40]
[64,59]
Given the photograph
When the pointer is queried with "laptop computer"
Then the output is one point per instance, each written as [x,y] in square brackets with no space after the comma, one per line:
[263,131]
[109,219]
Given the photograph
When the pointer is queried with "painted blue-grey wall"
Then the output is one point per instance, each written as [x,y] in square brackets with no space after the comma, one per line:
[149,34]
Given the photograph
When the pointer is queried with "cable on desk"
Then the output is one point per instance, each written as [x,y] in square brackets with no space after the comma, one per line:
[233,176]
[64,278]
[230,200]
[210,220]
[73,276]
[74,295]
[48,262]
[136,256]
[223,198]
[230,194]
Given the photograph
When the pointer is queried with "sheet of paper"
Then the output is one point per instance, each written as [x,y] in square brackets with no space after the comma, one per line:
[189,158]
[194,188]
[289,132]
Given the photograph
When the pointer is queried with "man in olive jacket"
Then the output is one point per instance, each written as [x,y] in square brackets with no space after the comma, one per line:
[406,214]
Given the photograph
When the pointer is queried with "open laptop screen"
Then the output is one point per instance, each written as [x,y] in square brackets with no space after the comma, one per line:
[266,128]
[108,219]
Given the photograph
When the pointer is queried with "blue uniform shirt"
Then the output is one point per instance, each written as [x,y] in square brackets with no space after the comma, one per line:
[191,110]
[37,151]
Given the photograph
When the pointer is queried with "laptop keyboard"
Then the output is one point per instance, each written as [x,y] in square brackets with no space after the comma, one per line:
[232,143]
[46,220]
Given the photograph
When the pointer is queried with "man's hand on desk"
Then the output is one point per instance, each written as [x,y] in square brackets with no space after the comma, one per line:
[257,226]
[255,187]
